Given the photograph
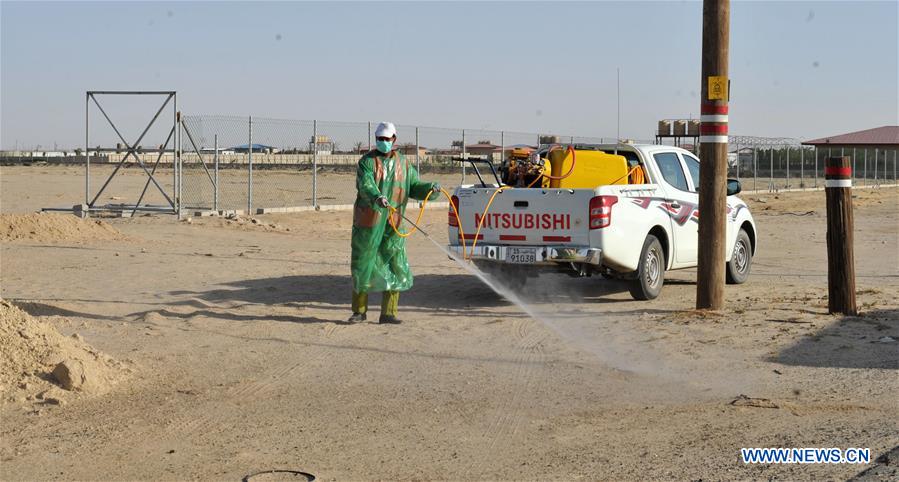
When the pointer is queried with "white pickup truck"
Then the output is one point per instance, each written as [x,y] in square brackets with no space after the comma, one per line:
[625,231]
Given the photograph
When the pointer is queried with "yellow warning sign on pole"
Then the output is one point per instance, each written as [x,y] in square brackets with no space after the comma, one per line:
[717,87]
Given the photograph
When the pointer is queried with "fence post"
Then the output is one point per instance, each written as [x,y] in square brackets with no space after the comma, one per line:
[215,194]
[315,162]
[853,163]
[865,173]
[176,156]
[840,256]
[417,152]
[755,168]
[876,156]
[180,186]
[771,171]
[250,167]
[369,135]
[87,153]
[788,185]
[815,153]
[801,167]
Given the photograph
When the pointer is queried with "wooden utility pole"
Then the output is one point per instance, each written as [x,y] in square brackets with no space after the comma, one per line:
[713,153]
[840,255]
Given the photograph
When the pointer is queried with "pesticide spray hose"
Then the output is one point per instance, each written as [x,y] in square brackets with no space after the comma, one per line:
[417,220]
[421,213]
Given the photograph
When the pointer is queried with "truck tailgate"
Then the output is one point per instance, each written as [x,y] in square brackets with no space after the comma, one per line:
[527,216]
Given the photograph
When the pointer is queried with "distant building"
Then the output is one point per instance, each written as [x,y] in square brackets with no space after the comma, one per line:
[482,148]
[260,148]
[886,137]
[410,150]
[40,154]
[211,151]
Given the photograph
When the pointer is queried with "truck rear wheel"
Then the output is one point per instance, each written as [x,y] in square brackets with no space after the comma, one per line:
[650,272]
[740,261]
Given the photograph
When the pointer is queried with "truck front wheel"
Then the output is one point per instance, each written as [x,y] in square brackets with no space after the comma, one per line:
[650,272]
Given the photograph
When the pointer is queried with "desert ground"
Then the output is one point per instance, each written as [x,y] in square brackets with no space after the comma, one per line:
[223,352]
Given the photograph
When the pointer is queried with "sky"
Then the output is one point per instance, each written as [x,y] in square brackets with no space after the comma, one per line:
[797,69]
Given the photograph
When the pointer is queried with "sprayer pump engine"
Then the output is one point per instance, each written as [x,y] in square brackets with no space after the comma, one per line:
[522,168]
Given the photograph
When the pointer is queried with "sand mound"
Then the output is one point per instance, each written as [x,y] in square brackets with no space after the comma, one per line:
[37,362]
[47,227]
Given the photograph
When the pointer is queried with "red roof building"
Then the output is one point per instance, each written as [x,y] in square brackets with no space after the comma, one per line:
[886,137]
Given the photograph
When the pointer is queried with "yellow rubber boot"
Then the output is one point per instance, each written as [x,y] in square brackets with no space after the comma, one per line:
[389,306]
[360,306]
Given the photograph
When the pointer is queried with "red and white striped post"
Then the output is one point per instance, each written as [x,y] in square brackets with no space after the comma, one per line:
[713,127]
[840,254]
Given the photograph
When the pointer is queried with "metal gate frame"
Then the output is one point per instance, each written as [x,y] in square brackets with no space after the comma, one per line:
[173,201]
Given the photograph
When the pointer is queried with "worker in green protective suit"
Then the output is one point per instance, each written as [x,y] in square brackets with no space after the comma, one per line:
[384,180]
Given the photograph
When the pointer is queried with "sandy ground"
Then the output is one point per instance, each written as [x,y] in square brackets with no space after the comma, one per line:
[240,362]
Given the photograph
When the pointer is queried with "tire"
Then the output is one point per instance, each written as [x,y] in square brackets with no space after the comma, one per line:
[650,272]
[740,261]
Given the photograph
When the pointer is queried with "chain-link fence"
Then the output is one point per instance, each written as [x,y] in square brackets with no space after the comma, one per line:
[280,163]
[249,163]
[776,163]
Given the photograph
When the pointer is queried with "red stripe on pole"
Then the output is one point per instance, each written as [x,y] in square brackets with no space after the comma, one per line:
[557,239]
[713,109]
[837,171]
[713,128]
[512,237]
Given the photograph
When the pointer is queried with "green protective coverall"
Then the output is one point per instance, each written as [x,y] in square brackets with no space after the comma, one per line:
[378,261]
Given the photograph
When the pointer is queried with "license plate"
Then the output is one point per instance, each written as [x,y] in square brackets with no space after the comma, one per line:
[521,255]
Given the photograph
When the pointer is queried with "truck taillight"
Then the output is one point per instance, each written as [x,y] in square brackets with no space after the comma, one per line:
[601,211]
[453,220]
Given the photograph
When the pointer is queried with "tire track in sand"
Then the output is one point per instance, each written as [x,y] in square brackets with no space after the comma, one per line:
[210,414]
[527,352]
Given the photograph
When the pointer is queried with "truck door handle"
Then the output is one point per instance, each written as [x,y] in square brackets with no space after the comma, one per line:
[675,204]
[521,204]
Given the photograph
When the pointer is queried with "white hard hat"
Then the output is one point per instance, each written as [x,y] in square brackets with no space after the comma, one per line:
[385,129]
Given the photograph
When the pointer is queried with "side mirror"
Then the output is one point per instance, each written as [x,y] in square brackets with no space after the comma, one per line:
[733,187]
